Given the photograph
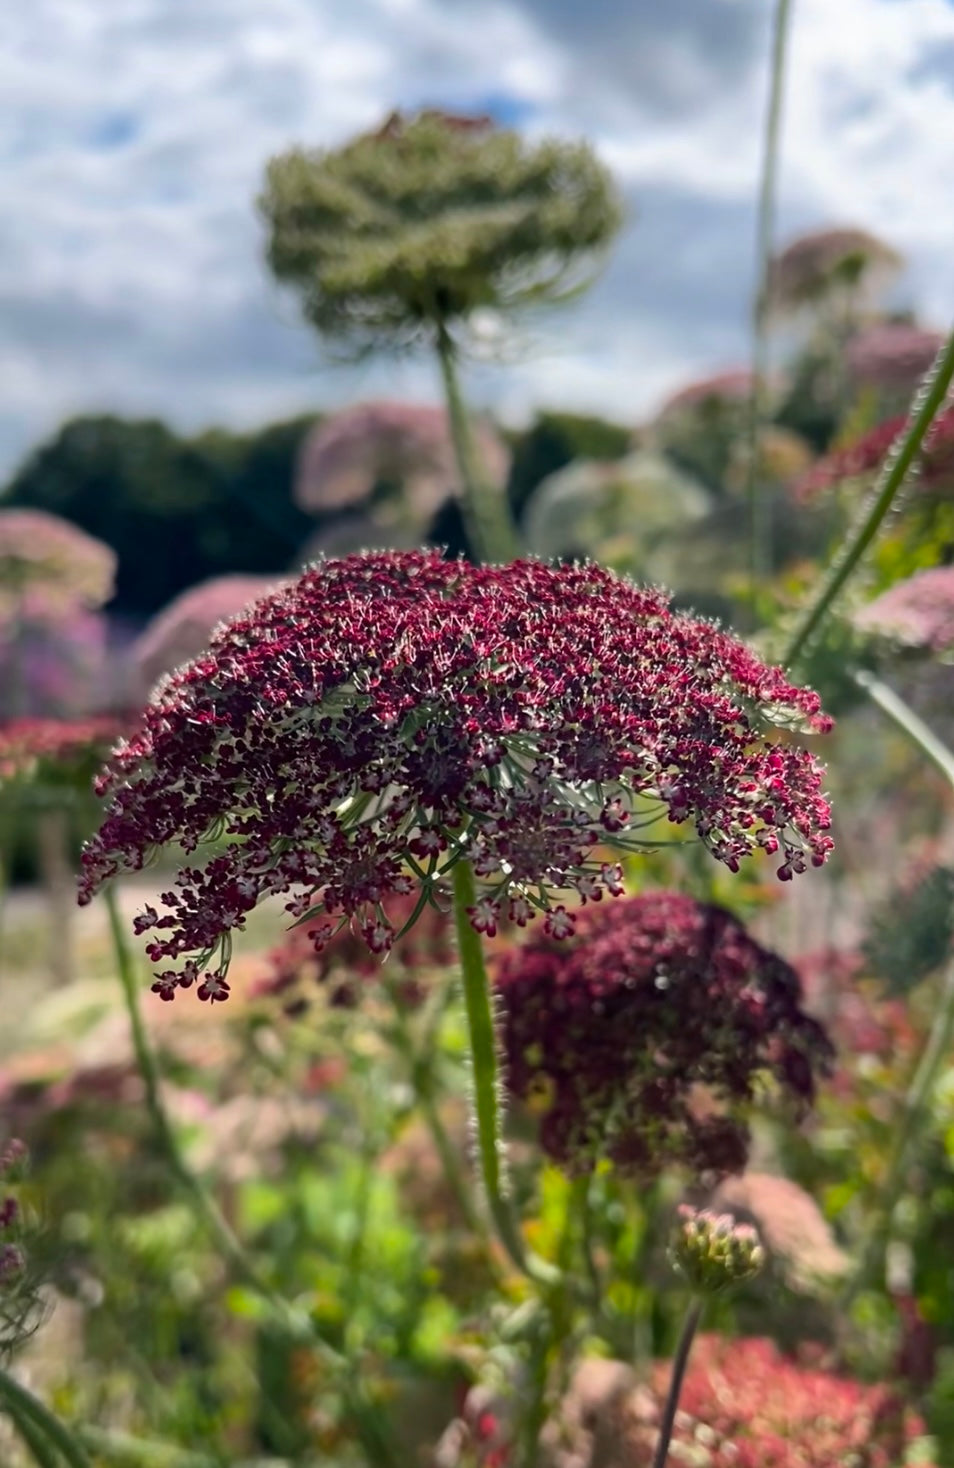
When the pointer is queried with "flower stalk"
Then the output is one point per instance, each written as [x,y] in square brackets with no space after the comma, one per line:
[488,1111]
[760,528]
[894,472]
[489,526]
[40,1428]
[680,1361]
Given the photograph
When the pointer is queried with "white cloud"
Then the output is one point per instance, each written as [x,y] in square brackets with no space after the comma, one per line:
[130,262]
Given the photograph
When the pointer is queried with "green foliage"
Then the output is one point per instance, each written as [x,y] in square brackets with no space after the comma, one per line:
[418,225]
[176,511]
[904,953]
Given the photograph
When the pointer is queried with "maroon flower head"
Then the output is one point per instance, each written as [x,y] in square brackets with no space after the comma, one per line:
[643,1039]
[385,716]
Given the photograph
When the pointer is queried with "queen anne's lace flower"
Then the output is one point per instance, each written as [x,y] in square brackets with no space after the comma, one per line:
[643,1039]
[359,732]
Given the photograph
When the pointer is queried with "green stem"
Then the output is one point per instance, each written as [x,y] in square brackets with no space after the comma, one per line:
[760,527]
[489,526]
[24,1407]
[38,1444]
[938,1042]
[486,1083]
[295,1325]
[212,1219]
[422,1079]
[913,727]
[679,1364]
[908,1125]
[894,472]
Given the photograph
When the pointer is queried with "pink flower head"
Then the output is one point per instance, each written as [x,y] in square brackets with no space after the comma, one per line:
[524,715]
[403,445]
[823,260]
[182,630]
[643,1036]
[731,386]
[892,355]
[745,1405]
[43,748]
[917,613]
[42,551]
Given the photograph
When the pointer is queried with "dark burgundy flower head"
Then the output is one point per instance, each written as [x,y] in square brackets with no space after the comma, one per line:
[360,731]
[643,1038]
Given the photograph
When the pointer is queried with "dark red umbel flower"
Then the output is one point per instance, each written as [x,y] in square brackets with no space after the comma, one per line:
[644,1037]
[359,732]
[745,1405]
[865,456]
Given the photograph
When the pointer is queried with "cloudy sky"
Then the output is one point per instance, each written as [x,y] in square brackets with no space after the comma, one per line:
[136,131]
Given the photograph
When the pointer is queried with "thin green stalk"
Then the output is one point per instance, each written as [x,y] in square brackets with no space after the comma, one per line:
[422,1079]
[215,1224]
[760,527]
[486,1085]
[489,526]
[894,472]
[679,1364]
[907,1126]
[939,1038]
[24,1407]
[295,1325]
[913,727]
[40,1449]
[554,1326]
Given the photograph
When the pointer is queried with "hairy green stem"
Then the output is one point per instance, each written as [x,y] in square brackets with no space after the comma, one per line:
[486,1085]
[489,526]
[894,472]
[39,1422]
[679,1364]
[760,527]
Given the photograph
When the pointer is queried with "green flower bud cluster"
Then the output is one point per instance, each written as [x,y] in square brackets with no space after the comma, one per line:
[713,1252]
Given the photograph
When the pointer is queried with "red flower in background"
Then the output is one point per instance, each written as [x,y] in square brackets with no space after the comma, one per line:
[645,1037]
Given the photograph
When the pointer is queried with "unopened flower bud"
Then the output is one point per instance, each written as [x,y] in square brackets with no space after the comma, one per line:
[714,1252]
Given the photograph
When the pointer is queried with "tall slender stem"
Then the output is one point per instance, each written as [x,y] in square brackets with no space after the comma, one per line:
[939,1037]
[907,1126]
[760,527]
[679,1364]
[909,723]
[25,1408]
[489,526]
[211,1217]
[296,1326]
[486,1084]
[894,472]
